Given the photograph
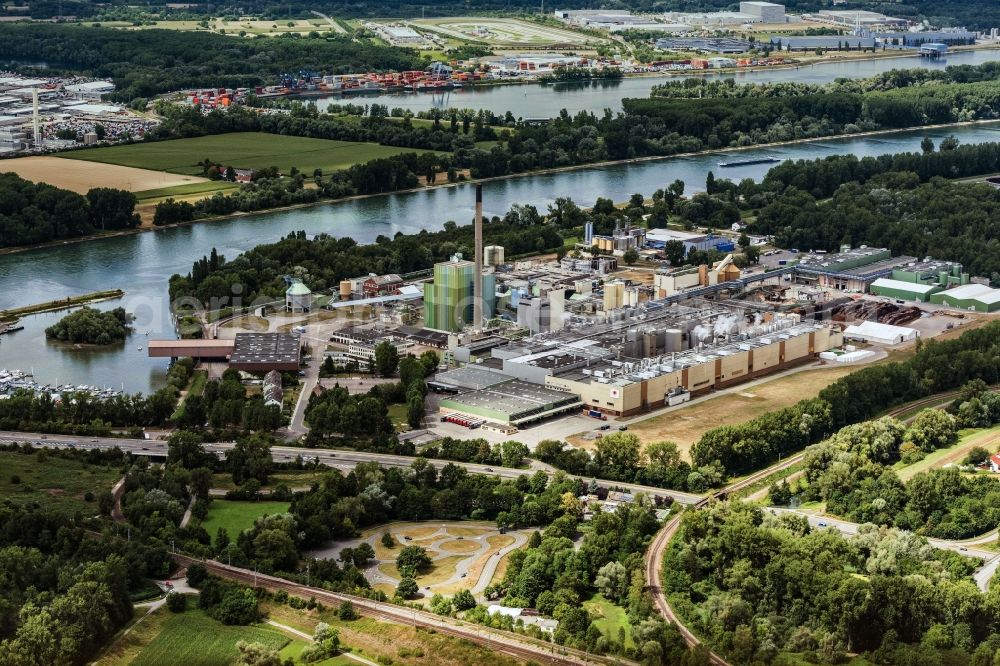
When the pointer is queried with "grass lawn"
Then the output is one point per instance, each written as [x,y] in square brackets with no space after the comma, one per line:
[609,618]
[55,483]
[194,639]
[238,516]
[248,150]
[967,440]
[397,414]
[686,425]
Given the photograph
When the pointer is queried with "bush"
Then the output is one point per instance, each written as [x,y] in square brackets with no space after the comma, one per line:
[347,612]
[196,575]
[15,479]
[176,602]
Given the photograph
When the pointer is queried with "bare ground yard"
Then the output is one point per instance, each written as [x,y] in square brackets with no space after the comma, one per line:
[80,175]
[685,426]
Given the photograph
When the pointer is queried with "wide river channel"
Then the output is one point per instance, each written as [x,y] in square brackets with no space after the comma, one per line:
[141,264]
[538,101]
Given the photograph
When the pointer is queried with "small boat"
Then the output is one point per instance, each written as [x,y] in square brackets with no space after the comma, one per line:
[139,348]
[759,160]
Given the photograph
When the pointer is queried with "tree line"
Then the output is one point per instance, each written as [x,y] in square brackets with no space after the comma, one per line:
[146,63]
[32,213]
[755,585]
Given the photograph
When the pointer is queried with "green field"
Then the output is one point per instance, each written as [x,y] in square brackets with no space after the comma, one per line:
[955,454]
[241,150]
[609,618]
[57,483]
[207,187]
[238,516]
[194,639]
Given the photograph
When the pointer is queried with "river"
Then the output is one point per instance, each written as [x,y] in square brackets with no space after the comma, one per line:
[141,263]
[537,101]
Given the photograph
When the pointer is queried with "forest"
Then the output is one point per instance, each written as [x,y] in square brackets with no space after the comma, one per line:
[65,591]
[755,585]
[33,213]
[145,63]
[91,326]
[324,260]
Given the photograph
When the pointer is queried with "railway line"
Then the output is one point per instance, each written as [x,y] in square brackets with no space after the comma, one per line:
[504,642]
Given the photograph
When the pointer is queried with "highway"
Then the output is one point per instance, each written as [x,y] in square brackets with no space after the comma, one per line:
[344,460]
[520,647]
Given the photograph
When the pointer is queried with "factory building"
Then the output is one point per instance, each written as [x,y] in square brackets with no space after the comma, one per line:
[712,19]
[826,43]
[858,20]
[721,45]
[624,388]
[978,297]
[262,352]
[448,299]
[919,280]
[614,20]
[956,37]
[510,403]
[767,12]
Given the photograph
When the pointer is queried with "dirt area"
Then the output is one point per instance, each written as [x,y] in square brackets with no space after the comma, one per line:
[685,426]
[80,176]
[637,276]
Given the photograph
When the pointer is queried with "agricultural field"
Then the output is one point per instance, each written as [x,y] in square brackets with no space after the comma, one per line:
[246,150]
[238,516]
[190,638]
[55,483]
[78,175]
[465,555]
[502,32]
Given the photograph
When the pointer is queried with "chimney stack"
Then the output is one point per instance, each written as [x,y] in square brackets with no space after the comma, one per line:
[37,137]
[477,279]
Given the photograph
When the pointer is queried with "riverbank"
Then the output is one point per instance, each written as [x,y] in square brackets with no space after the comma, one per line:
[509,177]
[14,314]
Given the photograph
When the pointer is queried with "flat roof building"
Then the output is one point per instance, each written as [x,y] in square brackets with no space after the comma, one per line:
[768,12]
[514,403]
[256,352]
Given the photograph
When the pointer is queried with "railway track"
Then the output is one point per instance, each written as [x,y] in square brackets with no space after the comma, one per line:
[510,644]
[656,550]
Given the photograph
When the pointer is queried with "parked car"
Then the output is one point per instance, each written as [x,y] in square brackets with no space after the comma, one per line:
[623,427]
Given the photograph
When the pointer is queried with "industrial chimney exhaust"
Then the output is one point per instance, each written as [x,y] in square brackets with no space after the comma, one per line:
[477,278]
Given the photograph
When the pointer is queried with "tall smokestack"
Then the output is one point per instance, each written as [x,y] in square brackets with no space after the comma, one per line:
[34,117]
[477,279]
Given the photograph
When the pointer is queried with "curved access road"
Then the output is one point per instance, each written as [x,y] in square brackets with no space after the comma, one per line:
[517,646]
[344,460]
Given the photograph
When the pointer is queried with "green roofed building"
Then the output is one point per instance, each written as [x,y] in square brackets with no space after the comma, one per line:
[448,299]
[978,297]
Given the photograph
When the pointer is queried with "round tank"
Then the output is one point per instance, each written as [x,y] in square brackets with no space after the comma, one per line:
[345,289]
[674,340]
